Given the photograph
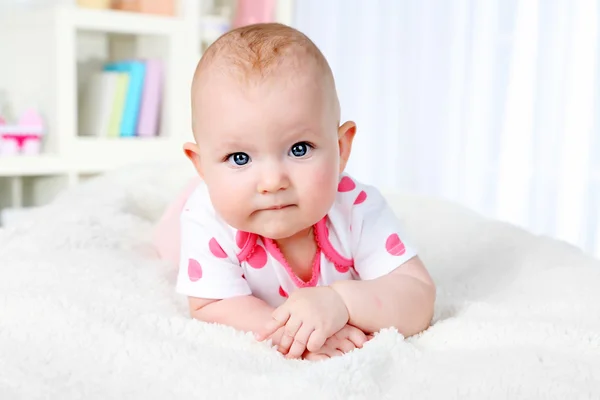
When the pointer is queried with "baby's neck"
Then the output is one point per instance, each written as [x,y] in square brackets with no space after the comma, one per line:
[299,250]
[300,238]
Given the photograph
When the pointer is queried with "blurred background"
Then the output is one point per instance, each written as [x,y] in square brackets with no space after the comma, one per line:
[492,104]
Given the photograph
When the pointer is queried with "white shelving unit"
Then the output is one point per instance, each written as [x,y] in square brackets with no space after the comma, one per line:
[55,47]
[120,22]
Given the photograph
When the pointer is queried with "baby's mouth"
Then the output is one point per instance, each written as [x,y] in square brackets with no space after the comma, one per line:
[279,207]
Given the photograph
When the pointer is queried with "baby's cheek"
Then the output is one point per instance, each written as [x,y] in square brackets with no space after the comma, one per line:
[227,199]
[323,184]
[224,205]
[328,176]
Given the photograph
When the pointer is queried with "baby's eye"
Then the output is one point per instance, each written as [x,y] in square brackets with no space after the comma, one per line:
[239,159]
[300,149]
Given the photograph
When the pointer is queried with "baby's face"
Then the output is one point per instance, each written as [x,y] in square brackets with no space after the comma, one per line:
[268,153]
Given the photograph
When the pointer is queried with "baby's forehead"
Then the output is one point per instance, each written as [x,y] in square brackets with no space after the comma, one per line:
[295,65]
[226,99]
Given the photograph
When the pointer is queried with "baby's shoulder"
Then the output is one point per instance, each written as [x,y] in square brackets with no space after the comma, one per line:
[198,203]
[199,208]
[354,196]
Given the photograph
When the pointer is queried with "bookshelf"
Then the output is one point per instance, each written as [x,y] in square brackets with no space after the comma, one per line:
[56,48]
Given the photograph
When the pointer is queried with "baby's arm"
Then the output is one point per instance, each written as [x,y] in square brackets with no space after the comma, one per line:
[245,313]
[403,299]
[249,314]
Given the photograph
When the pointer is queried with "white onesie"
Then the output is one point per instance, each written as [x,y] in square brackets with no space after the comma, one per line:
[360,238]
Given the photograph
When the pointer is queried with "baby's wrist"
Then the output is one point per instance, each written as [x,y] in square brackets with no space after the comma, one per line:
[338,288]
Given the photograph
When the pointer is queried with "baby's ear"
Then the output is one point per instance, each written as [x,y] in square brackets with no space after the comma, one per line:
[346,134]
[192,152]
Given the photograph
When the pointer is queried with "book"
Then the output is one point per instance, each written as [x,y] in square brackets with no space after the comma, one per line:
[121,84]
[136,71]
[149,118]
[96,104]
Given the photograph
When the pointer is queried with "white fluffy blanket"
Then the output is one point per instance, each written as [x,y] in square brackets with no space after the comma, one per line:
[87,311]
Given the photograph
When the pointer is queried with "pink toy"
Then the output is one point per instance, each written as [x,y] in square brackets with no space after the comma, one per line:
[23,138]
[254,11]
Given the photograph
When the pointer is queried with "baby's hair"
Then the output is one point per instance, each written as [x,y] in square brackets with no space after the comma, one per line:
[256,51]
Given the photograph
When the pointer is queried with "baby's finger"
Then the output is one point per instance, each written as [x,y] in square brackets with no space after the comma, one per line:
[269,329]
[281,313]
[296,350]
[357,337]
[279,319]
[289,332]
[276,337]
[300,340]
[315,356]
[332,342]
[345,346]
[331,352]
[316,340]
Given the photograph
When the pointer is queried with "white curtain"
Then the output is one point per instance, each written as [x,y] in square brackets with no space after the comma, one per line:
[489,103]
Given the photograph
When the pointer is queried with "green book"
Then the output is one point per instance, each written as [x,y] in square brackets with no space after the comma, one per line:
[116,115]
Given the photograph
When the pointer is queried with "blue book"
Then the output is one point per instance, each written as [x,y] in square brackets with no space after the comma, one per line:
[133,98]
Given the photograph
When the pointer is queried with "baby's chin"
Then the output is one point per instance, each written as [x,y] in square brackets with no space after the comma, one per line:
[277,231]
[273,224]
[277,228]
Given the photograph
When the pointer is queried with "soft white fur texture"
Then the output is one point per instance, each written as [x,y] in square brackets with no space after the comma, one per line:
[87,311]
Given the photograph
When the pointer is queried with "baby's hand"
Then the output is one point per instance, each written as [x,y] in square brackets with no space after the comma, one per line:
[310,316]
[344,341]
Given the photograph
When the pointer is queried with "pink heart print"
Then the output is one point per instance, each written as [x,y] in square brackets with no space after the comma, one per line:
[394,245]
[346,185]
[216,249]
[194,270]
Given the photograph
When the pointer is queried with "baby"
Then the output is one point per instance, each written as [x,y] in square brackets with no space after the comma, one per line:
[275,238]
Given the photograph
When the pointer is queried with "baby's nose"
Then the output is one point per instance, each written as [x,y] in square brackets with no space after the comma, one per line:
[273,179]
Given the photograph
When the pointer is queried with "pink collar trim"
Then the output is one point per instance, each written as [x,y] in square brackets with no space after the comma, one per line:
[248,248]
[316,265]
[322,237]
[323,246]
